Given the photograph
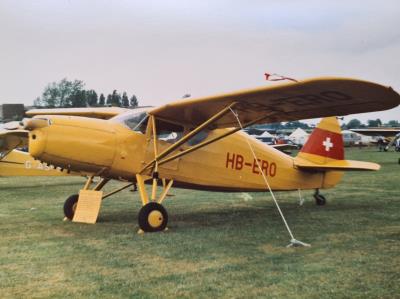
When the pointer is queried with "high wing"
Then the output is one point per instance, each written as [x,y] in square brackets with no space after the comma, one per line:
[93,112]
[285,102]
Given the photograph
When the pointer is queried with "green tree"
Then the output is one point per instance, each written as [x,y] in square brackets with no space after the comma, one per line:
[353,124]
[393,123]
[115,99]
[109,100]
[102,100]
[78,99]
[59,94]
[275,126]
[125,100]
[296,124]
[374,123]
[91,97]
[133,102]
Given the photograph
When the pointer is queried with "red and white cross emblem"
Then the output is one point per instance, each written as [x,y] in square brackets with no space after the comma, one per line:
[327,143]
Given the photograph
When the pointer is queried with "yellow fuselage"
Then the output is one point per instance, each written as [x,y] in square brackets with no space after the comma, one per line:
[112,150]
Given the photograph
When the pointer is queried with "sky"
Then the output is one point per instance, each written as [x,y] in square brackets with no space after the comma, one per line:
[160,50]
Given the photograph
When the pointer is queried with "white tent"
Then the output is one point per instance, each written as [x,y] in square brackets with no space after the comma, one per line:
[299,136]
[266,137]
[265,134]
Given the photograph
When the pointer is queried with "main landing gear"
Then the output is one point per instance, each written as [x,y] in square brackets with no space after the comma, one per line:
[153,217]
[320,200]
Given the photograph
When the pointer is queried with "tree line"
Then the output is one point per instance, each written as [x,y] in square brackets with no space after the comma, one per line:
[65,93]
[357,124]
[281,126]
[352,124]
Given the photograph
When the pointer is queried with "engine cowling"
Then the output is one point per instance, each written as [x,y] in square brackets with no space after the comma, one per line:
[72,142]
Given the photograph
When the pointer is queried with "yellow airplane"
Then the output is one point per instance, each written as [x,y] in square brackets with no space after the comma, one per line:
[15,161]
[198,143]
[19,163]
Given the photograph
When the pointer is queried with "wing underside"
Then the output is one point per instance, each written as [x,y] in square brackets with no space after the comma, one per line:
[286,102]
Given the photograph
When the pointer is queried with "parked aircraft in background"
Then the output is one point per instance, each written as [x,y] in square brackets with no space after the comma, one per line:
[390,136]
[19,163]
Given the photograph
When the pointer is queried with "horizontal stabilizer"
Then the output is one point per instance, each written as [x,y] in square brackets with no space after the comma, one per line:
[341,165]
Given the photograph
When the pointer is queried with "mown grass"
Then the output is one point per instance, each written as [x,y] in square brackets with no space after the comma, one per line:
[217,245]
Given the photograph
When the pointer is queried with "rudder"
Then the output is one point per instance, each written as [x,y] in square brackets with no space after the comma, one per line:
[325,143]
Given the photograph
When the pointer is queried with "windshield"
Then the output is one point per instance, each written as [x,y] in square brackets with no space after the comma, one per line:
[136,120]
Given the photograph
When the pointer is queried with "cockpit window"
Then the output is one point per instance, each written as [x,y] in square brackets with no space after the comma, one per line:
[137,121]
[134,121]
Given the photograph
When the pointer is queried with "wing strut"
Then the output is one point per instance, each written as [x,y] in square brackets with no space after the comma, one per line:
[185,138]
[162,158]
[293,241]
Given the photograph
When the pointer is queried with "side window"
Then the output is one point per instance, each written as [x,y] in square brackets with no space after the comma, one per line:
[199,137]
[168,132]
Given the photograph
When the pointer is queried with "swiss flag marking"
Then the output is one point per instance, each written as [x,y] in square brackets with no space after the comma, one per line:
[327,143]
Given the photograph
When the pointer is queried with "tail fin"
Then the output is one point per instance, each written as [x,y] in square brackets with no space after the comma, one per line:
[325,143]
[324,150]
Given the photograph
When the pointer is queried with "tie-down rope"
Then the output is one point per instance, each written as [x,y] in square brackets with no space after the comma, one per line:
[293,241]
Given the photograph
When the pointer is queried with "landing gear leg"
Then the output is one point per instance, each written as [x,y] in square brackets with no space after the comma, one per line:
[72,201]
[153,217]
[320,200]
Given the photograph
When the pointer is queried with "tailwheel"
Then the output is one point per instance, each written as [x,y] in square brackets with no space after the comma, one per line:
[153,217]
[320,200]
[70,206]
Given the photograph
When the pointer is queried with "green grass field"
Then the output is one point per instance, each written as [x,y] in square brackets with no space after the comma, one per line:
[217,245]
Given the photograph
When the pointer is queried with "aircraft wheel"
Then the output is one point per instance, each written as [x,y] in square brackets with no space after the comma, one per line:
[70,206]
[320,200]
[153,217]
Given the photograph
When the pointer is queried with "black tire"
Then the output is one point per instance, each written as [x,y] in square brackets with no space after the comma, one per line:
[320,200]
[70,205]
[144,217]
